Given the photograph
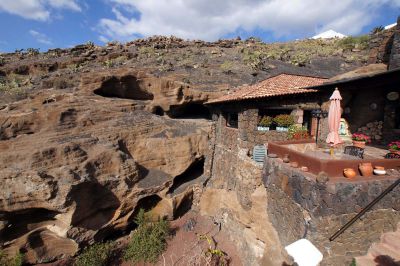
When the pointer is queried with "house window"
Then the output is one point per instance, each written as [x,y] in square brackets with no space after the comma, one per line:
[232,120]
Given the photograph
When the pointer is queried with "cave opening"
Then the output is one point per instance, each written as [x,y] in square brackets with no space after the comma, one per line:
[184,207]
[157,110]
[189,111]
[127,87]
[95,205]
[22,221]
[146,203]
[188,177]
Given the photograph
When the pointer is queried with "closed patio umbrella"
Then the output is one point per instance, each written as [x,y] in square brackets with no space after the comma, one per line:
[334,115]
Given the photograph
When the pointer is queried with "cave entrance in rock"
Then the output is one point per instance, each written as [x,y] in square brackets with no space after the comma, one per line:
[189,111]
[127,87]
[157,110]
[146,203]
[187,178]
[22,221]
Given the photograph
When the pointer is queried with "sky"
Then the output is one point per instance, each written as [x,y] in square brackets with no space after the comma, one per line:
[48,24]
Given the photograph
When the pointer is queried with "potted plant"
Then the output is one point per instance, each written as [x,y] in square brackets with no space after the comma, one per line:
[297,132]
[394,147]
[360,139]
[264,123]
[283,122]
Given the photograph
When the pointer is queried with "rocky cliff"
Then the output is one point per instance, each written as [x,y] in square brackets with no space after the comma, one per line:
[77,166]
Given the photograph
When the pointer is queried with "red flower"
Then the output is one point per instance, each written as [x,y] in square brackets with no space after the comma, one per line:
[394,145]
[361,137]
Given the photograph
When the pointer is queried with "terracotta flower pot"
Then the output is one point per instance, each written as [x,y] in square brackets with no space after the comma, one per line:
[360,144]
[349,173]
[286,158]
[366,169]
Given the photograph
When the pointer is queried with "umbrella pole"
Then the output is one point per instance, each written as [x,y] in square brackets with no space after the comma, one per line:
[316,134]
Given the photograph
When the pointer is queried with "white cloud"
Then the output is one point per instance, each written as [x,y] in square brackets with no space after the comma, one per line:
[103,39]
[41,37]
[37,9]
[212,19]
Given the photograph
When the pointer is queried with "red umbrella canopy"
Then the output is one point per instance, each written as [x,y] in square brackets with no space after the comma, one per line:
[334,115]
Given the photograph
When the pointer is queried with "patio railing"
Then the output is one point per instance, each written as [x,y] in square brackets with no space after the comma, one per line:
[363,211]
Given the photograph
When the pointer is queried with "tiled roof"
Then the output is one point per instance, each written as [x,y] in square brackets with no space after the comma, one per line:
[283,84]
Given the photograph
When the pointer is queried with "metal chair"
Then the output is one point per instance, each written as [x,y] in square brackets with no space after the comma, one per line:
[354,151]
[259,152]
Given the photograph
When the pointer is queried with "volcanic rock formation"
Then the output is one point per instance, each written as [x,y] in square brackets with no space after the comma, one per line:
[77,166]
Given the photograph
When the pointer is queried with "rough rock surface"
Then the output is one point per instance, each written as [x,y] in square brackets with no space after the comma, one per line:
[76,167]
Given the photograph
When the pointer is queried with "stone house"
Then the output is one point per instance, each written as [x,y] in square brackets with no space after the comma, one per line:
[367,98]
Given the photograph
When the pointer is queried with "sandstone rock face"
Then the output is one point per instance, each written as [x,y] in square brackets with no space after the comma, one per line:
[160,94]
[250,230]
[76,166]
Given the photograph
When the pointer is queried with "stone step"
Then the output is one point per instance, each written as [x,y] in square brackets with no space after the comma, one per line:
[392,239]
[383,249]
[366,260]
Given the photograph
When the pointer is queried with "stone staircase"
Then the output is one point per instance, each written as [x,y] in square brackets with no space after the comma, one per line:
[384,253]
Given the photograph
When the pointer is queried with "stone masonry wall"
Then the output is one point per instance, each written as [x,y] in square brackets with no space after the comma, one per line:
[234,196]
[250,136]
[298,207]
[395,55]
[232,168]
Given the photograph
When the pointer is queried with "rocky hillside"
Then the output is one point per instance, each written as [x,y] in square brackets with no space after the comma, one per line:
[89,135]
[209,67]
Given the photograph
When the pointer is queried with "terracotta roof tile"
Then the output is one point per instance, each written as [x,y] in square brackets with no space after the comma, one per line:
[283,84]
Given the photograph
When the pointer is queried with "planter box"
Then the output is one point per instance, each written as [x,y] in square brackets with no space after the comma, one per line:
[282,129]
[261,128]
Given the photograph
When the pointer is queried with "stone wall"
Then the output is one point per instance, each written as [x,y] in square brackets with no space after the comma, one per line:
[380,46]
[299,206]
[250,136]
[232,168]
[235,197]
[395,55]
[390,130]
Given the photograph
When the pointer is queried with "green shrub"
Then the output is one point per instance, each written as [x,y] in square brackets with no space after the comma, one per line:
[284,120]
[90,44]
[265,121]
[253,59]
[377,29]
[213,255]
[95,255]
[348,43]
[13,86]
[227,67]
[148,241]
[13,261]
[32,51]
[148,51]
[109,63]
[300,59]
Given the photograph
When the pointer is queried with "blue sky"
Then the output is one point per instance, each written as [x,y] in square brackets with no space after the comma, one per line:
[48,24]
